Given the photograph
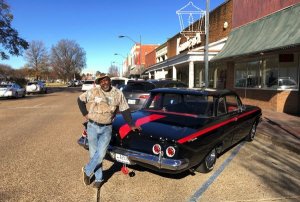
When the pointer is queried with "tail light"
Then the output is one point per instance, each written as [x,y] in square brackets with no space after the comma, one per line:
[144,97]
[170,151]
[156,149]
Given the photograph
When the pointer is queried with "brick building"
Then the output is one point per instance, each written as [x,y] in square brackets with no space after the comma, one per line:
[254,49]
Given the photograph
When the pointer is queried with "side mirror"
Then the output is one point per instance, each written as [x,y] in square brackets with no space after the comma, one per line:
[242,108]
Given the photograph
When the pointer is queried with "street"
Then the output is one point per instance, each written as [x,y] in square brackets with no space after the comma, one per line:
[41,161]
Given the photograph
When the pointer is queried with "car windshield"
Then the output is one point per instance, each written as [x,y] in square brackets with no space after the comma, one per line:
[200,105]
[138,87]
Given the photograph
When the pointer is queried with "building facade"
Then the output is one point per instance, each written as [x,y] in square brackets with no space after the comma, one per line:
[182,57]
[254,49]
[261,55]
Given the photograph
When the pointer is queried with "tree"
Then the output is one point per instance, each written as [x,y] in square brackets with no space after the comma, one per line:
[113,70]
[37,58]
[9,37]
[67,59]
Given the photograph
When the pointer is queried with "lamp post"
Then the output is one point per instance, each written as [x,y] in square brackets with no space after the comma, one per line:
[140,52]
[206,42]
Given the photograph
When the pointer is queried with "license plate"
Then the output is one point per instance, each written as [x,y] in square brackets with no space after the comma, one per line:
[130,101]
[122,159]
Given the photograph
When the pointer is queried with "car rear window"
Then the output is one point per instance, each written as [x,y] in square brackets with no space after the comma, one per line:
[30,83]
[89,82]
[139,87]
[5,85]
[117,82]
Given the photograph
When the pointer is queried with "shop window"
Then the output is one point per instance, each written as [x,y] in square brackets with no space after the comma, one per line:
[247,74]
[274,72]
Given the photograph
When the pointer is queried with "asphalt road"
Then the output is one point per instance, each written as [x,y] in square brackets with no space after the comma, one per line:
[41,161]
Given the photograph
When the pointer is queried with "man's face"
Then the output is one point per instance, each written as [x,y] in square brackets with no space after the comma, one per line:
[105,84]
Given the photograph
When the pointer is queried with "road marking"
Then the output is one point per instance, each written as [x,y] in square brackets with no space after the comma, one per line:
[197,195]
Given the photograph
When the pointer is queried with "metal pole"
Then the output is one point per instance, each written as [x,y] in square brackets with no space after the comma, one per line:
[206,42]
[140,54]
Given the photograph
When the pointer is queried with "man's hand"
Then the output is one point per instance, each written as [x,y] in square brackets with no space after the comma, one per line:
[136,128]
[86,118]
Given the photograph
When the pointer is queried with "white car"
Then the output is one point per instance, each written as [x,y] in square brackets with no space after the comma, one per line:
[12,90]
[36,87]
[88,84]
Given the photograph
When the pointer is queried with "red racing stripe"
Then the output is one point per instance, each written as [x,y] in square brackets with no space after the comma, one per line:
[206,130]
[125,129]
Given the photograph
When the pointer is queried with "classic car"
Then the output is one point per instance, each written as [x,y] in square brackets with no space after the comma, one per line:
[183,129]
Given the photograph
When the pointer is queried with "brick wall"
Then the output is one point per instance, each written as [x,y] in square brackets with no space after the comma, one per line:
[217,18]
[245,11]
[150,59]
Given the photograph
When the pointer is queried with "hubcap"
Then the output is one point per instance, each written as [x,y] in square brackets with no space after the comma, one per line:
[210,159]
[253,131]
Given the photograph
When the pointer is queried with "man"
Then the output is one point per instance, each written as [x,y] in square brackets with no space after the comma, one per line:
[104,103]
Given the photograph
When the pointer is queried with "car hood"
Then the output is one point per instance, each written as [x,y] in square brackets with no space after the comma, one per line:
[160,125]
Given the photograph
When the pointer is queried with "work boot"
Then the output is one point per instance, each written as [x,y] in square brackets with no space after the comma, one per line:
[86,179]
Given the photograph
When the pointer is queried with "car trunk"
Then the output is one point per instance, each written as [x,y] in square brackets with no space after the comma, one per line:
[156,128]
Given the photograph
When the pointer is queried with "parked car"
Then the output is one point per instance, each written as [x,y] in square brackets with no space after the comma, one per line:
[88,84]
[36,87]
[183,129]
[284,83]
[118,81]
[12,90]
[136,92]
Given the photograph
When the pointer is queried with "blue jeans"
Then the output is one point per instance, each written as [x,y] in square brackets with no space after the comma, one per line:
[99,138]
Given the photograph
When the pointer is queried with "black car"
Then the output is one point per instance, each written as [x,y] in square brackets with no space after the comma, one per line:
[137,91]
[183,129]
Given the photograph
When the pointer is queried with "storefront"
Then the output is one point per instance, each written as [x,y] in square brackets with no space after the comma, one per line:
[262,61]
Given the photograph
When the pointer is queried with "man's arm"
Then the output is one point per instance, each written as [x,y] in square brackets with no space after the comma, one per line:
[128,118]
[82,107]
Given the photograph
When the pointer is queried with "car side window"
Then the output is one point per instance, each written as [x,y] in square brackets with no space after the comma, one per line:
[232,103]
[221,106]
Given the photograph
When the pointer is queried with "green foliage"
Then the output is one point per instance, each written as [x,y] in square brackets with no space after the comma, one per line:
[9,37]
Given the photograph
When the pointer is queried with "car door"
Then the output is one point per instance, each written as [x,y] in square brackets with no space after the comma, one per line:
[234,107]
[228,119]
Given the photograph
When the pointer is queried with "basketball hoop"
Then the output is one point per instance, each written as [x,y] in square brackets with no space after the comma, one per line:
[191,19]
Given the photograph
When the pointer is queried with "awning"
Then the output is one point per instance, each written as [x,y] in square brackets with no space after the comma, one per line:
[279,30]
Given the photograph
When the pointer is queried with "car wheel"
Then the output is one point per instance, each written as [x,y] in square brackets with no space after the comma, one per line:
[16,95]
[252,132]
[208,163]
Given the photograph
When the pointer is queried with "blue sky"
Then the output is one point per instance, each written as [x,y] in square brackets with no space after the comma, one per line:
[96,24]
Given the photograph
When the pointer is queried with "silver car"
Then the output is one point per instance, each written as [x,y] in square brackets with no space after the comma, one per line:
[137,91]
[284,83]
[12,90]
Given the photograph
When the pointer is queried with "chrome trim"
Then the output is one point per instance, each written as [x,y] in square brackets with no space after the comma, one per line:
[159,162]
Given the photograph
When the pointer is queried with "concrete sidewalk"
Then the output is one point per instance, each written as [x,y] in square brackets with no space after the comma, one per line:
[288,123]
[280,129]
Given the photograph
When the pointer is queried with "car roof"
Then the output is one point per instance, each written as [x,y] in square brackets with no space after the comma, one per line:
[194,91]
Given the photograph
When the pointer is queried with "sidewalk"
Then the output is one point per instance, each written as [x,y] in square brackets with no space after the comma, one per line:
[286,122]
[281,129]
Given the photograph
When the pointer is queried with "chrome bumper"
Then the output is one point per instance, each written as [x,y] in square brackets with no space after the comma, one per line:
[156,161]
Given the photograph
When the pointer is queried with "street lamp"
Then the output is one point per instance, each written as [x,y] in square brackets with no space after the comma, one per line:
[140,58]
[206,42]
